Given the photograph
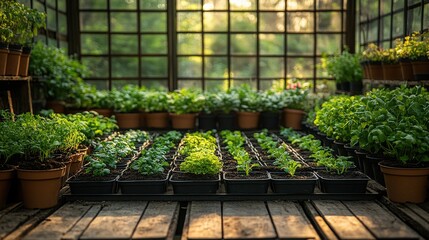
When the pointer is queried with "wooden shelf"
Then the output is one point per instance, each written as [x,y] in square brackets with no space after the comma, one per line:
[15,78]
[396,82]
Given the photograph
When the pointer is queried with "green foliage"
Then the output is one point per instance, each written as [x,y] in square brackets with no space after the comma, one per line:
[62,75]
[155,101]
[372,53]
[248,97]
[202,163]
[198,142]
[413,47]
[271,101]
[295,98]
[344,67]
[227,102]
[127,99]
[185,101]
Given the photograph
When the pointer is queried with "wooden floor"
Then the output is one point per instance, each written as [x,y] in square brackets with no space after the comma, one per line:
[318,219]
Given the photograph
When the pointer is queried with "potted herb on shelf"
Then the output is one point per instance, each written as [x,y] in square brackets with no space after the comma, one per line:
[207,117]
[418,53]
[346,69]
[183,106]
[126,106]
[272,103]
[227,103]
[295,101]
[390,65]
[373,56]
[249,108]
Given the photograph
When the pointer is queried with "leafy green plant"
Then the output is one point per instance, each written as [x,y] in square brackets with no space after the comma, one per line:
[295,98]
[185,101]
[146,165]
[271,101]
[154,101]
[227,102]
[372,53]
[126,99]
[414,47]
[344,67]
[201,163]
[249,98]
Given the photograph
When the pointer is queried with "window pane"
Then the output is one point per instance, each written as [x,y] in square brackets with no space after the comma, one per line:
[123,4]
[124,67]
[242,4]
[216,67]
[62,5]
[52,21]
[300,22]
[155,84]
[62,22]
[373,33]
[153,4]
[215,21]
[123,22]
[300,4]
[328,43]
[243,67]
[272,44]
[329,21]
[99,84]
[239,82]
[93,21]
[243,43]
[65,46]
[215,43]
[50,3]
[271,67]
[321,71]
[385,23]
[371,8]
[243,22]
[188,4]
[215,4]
[189,43]
[385,6]
[398,24]
[154,44]
[398,4]
[153,22]
[271,22]
[188,21]
[94,43]
[414,18]
[92,4]
[329,4]
[99,66]
[300,44]
[272,4]
[154,66]
[426,17]
[121,83]
[299,67]
[185,83]
[216,85]
[269,84]
[190,66]
[127,44]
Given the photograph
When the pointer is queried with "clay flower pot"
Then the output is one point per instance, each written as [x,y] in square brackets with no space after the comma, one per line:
[407,71]
[128,120]
[6,177]
[405,184]
[392,71]
[24,61]
[248,120]
[107,112]
[157,120]
[183,121]
[77,161]
[13,60]
[4,52]
[292,118]
[40,188]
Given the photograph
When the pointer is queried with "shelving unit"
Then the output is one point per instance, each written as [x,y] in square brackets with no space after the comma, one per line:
[15,94]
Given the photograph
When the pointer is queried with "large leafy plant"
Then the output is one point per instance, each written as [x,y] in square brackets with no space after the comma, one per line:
[127,99]
[185,101]
[271,101]
[154,101]
[226,102]
[201,163]
[249,98]
[344,67]
[295,98]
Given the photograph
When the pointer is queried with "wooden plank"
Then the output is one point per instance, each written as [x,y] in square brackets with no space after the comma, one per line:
[117,220]
[247,220]
[15,218]
[76,231]
[382,223]
[205,220]
[54,226]
[419,211]
[290,221]
[158,221]
[320,223]
[341,220]
[10,208]
[26,226]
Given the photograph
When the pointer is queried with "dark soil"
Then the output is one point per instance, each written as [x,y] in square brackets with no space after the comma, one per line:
[298,175]
[135,175]
[188,176]
[5,167]
[252,175]
[36,165]
[346,175]
[82,176]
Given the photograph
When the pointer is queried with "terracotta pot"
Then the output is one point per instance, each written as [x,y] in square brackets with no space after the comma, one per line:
[292,118]
[56,106]
[6,177]
[40,188]
[128,120]
[13,60]
[24,61]
[407,71]
[392,71]
[376,71]
[366,73]
[248,120]
[4,52]
[67,162]
[183,121]
[142,120]
[76,162]
[405,184]
[107,112]
[420,69]
[157,120]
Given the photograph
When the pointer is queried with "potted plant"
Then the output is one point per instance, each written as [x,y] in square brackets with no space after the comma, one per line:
[155,104]
[373,56]
[294,105]
[249,108]
[126,106]
[183,106]
[207,117]
[103,103]
[6,35]
[418,53]
[390,64]
[227,104]
[346,70]
[272,103]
